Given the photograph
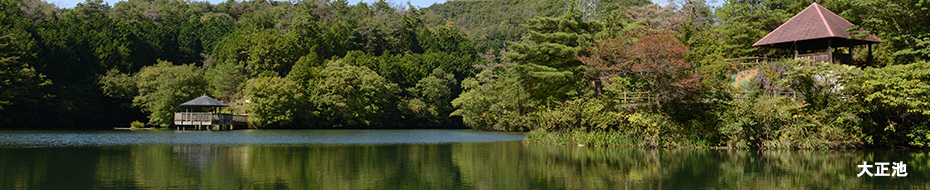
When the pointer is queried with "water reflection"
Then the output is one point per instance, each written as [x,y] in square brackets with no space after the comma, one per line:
[495,165]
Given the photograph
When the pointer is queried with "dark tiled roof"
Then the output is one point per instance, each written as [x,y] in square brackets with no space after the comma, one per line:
[811,26]
[204,101]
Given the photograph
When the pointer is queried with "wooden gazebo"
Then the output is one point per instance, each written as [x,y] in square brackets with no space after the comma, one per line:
[207,119]
[817,32]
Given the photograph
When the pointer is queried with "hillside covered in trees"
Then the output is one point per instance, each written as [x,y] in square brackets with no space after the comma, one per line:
[301,64]
[491,24]
[623,73]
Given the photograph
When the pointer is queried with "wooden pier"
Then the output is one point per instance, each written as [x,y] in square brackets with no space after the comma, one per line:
[214,119]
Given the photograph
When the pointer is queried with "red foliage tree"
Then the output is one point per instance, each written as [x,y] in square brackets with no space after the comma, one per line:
[657,58]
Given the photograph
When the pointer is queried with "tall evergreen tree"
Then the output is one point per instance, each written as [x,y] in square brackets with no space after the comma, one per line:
[546,57]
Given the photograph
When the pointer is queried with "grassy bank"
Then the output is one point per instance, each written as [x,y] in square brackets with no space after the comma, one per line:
[605,138]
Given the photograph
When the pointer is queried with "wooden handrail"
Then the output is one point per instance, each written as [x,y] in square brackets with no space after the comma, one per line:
[222,118]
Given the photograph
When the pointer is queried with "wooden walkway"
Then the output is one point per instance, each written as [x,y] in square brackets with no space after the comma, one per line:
[132,129]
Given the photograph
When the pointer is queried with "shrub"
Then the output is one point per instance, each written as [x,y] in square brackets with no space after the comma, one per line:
[136,125]
[895,105]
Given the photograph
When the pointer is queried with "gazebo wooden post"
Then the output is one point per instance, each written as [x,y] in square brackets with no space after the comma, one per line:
[765,54]
[851,48]
[830,50]
[868,60]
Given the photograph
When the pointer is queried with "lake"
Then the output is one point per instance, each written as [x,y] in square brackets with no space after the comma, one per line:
[415,159]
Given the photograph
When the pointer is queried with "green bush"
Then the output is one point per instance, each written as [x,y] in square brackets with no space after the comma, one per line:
[895,104]
[778,122]
[606,122]
[757,123]
[136,125]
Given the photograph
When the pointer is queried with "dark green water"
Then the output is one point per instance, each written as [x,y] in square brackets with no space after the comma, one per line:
[414,159]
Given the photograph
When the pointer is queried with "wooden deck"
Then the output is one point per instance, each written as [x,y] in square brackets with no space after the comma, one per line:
[209,118]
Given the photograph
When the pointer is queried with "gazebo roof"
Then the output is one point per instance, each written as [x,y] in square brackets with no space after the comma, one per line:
[812,28]
[204,101]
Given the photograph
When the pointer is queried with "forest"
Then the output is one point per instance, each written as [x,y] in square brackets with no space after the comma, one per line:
[599,72]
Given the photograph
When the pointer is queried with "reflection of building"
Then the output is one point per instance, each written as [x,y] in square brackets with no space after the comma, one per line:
[213,161]
[208,112]
[815,33]
[196,157]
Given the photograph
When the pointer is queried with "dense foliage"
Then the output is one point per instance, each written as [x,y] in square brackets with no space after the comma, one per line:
[311,63]
[492,24]
[659,79]
[624,73]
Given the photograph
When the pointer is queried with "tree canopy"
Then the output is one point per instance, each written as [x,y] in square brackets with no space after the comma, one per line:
[651,75]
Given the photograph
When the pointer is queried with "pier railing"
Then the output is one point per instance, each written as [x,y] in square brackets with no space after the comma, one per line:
[209,118]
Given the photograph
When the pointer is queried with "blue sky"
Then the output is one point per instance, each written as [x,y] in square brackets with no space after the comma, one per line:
[420,3]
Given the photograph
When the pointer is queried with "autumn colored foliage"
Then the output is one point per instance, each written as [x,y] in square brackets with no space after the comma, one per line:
[657,58]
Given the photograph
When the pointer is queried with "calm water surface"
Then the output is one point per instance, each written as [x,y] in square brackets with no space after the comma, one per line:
[414,159]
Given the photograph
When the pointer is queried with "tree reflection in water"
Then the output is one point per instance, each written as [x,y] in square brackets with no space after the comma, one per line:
[496,165]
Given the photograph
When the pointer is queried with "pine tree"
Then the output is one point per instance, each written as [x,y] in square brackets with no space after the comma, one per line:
[546,58]
[19,81]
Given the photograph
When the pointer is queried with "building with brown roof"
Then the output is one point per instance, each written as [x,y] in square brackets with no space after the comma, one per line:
[815,33]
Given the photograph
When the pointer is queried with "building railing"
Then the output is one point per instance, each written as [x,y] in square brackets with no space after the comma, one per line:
[209,118]
[750,60]
[636,97]
[828,57]
[817,57]
[745,95]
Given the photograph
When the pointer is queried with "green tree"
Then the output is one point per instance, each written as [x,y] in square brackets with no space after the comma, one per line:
[306,70]
[743,22]
[495,99]
[354,96]
[161,88]
[903,25]
[431,99]
[19,81]
[215,27]
[225,80]
[275,102]
[260,50]
[546,58]
[119,85]
[491,24]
